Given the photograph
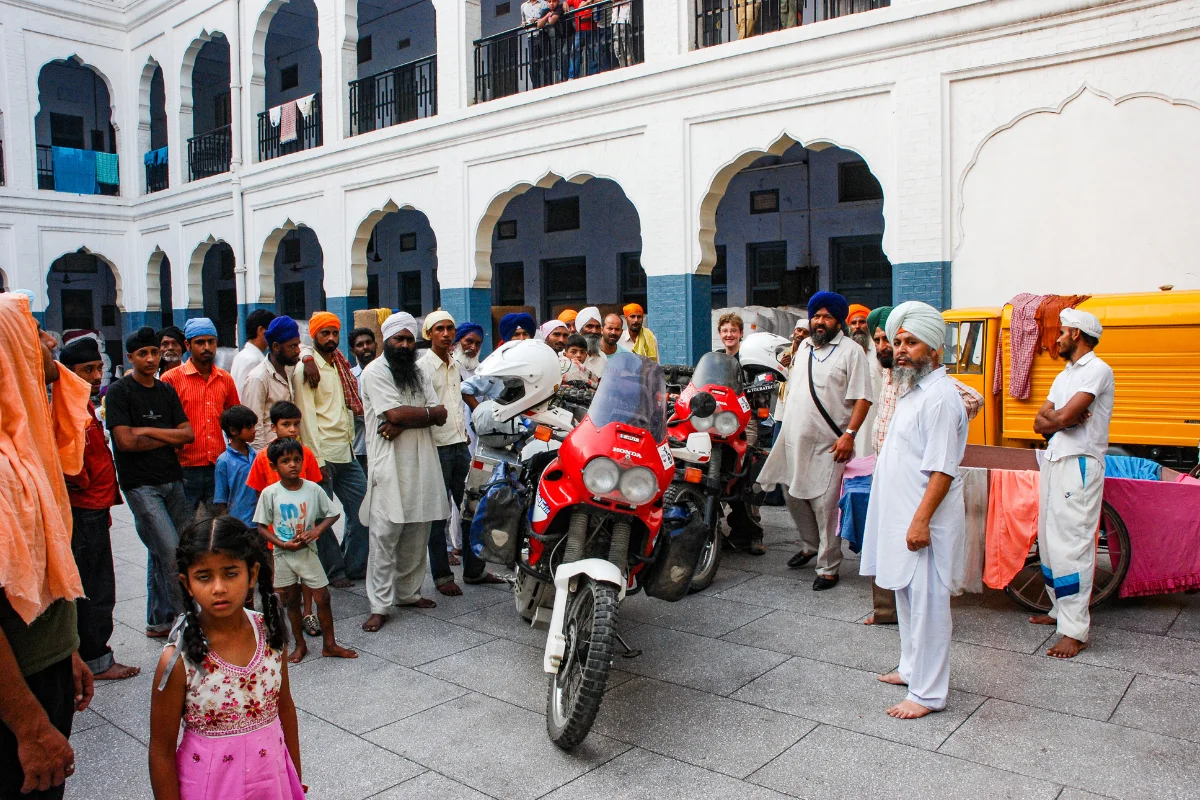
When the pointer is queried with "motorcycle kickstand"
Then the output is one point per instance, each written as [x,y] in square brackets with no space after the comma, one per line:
[629,652]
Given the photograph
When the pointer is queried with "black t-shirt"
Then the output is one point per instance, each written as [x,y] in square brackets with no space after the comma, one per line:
[131,404]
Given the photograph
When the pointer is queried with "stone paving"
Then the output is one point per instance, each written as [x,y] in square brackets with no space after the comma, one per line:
[756,688]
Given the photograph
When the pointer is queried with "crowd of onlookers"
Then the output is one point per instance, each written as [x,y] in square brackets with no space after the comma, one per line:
[568,39]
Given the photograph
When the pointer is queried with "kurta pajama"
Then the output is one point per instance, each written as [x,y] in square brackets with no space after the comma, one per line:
[927,434]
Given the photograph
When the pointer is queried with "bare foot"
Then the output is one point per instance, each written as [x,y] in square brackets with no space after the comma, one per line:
[1043,619]
[450,589]
[872,621]
[421,603]
[1067,648]
[157,634]
[454,560]
[117,672]
[342,583]
[373,623]
[298,653]
[907,709]
[337,651]
[893,678]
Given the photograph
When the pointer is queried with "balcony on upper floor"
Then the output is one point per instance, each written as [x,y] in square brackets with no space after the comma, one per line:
[290,127]
[210,153]
[597,38]
[76,171]
[397,95]
[721,21]
[156,170]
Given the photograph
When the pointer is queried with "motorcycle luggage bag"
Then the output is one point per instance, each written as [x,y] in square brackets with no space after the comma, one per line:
[497,523]
[681,542]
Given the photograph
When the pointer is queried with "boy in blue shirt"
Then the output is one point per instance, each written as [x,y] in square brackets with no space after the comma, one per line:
[232,495]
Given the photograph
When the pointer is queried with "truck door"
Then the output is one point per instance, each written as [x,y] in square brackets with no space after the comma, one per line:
[964,358]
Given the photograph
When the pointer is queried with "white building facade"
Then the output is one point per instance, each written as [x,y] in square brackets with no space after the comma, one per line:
[683,154]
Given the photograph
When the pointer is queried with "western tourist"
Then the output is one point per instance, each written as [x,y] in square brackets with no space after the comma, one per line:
[916,519]
[406,495]
[517,326]
[829,398]
[363,346]
[729,331]
[637,338]
[205,390]
[148,426]
[271,381]
[171,344]
[254,351]
[1075,418]
[554,333]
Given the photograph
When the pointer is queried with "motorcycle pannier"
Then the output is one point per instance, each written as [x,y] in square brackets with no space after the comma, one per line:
[497,523]
[680,544]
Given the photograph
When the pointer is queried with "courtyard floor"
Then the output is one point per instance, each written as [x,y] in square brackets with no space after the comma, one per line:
[756,688]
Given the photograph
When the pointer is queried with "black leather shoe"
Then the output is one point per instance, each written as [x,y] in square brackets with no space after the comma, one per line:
[800,559]
[824,582]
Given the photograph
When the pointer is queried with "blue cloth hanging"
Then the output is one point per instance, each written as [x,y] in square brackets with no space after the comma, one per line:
[854,511]
[74,170]
[1140,469]
[107,171]
[155,158]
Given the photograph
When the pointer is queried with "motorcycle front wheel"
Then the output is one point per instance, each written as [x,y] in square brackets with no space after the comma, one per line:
[576,690]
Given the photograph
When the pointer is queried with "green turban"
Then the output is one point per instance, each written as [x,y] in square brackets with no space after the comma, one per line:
[878,319]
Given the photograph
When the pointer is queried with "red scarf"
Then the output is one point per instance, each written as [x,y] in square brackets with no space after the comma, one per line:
[349,383]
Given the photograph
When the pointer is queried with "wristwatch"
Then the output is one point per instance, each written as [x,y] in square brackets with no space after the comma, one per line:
[852,433]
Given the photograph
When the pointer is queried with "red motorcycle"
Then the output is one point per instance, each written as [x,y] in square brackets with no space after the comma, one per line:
[599,530]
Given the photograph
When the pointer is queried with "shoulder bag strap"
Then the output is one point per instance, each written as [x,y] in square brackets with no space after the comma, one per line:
[812,390]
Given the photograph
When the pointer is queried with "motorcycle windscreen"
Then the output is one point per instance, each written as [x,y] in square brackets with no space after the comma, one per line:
[633,391]
[718,369]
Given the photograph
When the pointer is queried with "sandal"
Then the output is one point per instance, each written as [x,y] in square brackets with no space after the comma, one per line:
[312,626]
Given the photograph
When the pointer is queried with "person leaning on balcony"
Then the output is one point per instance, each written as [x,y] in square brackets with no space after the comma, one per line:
[745,15]
[622,31]
[535,14]
[789,13]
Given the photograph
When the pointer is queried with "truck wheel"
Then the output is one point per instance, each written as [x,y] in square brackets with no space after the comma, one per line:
[577,688]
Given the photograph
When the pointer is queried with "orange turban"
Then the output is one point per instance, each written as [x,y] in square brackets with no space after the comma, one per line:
[633,308]
[568,315]
[856,310]
[322,320]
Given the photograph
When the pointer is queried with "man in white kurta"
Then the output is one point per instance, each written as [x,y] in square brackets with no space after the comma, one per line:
[809,456]
[916,520]
[1075,416]
[405,491]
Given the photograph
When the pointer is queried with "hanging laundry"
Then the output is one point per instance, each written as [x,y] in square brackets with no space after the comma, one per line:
[1164,534]
[274,115]
[1142,469]
[74,170]
[107,171]
[305,104]
[287,123]
[1052,305]
[1012,523]
[975,496]
[1023,338]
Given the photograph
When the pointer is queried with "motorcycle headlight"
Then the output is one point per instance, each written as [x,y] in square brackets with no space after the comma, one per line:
[702,423]
[601,475]
[726,423]
[638,485]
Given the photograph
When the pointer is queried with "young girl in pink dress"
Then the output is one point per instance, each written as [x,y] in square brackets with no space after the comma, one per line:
[224,676]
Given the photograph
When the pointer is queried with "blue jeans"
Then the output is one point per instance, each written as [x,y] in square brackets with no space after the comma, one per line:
[159,513]
[199,484]
[456,463]
[349,559]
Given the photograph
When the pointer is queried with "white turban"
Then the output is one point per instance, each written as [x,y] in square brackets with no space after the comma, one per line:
[802,323]
[400,321]
[545,330]
[921,320]
[1083,320]
[432,319]
[587,315]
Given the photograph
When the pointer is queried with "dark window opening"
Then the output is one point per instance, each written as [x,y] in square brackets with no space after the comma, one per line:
[506,229]
[66,130]
[293,299]
[372,291]
[510,284]
[564,282]
[364,50]
[562,215]
[222,110]
[502,9]
[856,183]
[767,262]
[289,77]
[408,242]
[861,270]
[77,309]
[410,292]
[108,315]
[633,279]
[291,250]
[720,280]
[404,44]
[227,263]
[764,202]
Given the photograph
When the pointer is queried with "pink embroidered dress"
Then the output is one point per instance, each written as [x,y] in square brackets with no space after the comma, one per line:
[232,746]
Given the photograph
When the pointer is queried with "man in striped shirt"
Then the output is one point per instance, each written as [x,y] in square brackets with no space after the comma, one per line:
[205,390]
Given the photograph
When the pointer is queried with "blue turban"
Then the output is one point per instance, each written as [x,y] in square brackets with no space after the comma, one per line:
[832,302]
[282,329]
[467,328]
[510,322]
[199,326]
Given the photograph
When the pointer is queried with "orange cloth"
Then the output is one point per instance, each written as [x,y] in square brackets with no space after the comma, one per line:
[633,308]
[568,315]
[1012,523]
[36,564]
[857,309]
[321,320]
[1047,317]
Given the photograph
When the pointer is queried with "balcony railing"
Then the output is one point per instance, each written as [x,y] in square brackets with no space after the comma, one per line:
[155,162]
[400,94]
[720,21]
[209,153]
[1,162]
[307,135]
[82,172]
[600,37]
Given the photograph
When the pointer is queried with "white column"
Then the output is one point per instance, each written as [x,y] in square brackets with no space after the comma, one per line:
[458,26]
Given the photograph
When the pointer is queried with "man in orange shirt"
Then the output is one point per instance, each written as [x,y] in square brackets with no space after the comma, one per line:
[205,390]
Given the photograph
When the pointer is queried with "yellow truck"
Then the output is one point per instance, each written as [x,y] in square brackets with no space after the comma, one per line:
[1152,342]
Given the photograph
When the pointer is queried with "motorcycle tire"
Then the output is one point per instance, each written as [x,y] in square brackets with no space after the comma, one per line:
[576,690]
[710,559]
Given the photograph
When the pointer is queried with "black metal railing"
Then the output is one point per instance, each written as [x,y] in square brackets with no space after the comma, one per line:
[720,21]
[1,162]
[209,153]
[45,174]
[308,133]
[156,178]
[397,95]
[597,38]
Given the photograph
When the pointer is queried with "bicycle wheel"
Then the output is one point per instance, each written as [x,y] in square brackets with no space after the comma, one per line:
[1028,588]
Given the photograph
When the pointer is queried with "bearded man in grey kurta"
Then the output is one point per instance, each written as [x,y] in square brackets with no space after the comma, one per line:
[405,492]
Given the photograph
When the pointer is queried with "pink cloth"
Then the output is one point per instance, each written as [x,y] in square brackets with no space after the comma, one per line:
[1012,523]
[287,123]
[1188,479]
[859,467]
[1023,338]
[1163,520]
[249,766]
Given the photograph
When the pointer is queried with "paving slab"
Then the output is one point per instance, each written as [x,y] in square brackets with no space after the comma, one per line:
[131,580]
[1187,624]
[1094,756]
[109,764]
[473,597]
[992,620]
[835,764]
[346,604]
[1163,706]
[701,729]
[1163,656]
[429,785]
[710,665]
[493,747]
[501,620]
[409,638]
[637,774]
[341,766]
[848,601]
[851,644]
[697,613]
[853,699]
[1142,614]
[726,577]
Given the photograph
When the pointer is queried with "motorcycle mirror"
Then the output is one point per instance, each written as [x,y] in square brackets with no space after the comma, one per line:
[703,404]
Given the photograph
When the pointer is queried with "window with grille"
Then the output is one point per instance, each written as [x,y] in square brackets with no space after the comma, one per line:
[720,280]
[633,279]
[293,302]
[510,284]
[856,183]
[766,263]
[410,292]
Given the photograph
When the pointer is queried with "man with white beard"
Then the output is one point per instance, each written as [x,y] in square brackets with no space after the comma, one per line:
[590,323]
[916,519]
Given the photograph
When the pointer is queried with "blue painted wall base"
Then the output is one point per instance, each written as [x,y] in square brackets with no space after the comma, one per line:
[680,314]
[180,316]
[471,305]
[244,310]
[927,281]
[344,308]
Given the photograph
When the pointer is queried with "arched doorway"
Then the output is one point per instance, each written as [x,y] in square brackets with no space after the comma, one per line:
[399,258]
[83,292]
[75,131]
[160,311]
[220,292]
[152,128]
[289,67]
[395,63]
[210,134]
[299,274]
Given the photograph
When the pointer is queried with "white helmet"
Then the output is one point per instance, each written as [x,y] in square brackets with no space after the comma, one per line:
[529,372]
[762,351]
